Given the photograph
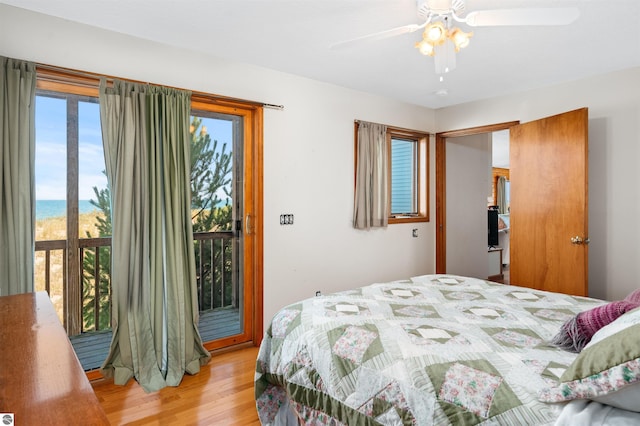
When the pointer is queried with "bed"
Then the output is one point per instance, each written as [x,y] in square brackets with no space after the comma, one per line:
[440,349]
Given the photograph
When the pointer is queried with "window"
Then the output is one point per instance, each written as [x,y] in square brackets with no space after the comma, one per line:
[404,198]
[408,171]
[69,165]
[408,164]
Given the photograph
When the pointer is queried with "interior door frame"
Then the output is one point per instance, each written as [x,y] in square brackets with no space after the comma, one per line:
[441,184]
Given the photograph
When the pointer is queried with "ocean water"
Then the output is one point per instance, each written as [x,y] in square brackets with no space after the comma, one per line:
[46,209]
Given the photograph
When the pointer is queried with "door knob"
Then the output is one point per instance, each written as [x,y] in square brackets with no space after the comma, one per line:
[579,240]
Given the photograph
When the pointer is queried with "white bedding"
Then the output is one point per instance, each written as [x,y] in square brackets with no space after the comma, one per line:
[585,412]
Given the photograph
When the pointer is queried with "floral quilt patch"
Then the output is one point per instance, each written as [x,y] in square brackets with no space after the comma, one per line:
[470,389]
[353,343]
[552,314]
[516,337]
[311,417]
[462,295]
[415,311]
[282,321]
[392,401]
[269,403]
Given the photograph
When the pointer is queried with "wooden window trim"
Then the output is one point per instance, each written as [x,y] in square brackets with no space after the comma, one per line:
[422,185]
[84,83]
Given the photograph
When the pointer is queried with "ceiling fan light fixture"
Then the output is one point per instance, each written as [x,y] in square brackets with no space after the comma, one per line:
[441,40]
[425,48]
[460,38]
[435,33]
[435,42]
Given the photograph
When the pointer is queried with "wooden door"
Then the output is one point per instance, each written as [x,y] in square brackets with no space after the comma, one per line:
[549,203]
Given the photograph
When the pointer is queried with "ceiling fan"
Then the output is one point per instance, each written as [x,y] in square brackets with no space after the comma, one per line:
[442,40]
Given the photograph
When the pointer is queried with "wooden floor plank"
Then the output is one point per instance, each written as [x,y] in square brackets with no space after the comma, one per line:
[221,394]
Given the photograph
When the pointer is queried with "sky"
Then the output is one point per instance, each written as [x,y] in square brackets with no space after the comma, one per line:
[51,157]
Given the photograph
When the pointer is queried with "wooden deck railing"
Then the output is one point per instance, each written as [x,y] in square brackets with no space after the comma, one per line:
[215,277]
[217,285]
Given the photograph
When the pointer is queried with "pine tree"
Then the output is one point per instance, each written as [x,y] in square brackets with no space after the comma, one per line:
[211,175]
[211,171]
[103,224]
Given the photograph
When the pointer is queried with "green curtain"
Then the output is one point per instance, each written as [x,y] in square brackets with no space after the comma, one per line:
[155,316]
[372,176]
[17,176]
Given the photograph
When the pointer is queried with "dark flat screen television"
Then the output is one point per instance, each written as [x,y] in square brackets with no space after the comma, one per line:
[493,227]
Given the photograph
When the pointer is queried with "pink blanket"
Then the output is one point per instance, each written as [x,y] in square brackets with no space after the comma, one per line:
[578,331]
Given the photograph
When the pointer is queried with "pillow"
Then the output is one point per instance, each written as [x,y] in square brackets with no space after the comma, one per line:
[606,371]
[625,321]
[578,331]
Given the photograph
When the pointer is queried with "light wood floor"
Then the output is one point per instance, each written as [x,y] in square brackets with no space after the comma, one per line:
[221,394]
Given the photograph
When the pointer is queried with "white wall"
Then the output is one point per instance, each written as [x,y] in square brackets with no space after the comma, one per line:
[614,158]
[308,152]
[468,172]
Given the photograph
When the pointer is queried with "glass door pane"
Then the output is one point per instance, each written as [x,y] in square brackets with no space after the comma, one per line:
[217,209]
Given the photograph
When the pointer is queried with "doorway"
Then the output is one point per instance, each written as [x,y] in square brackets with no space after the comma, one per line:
[549,200]
[441,179]
[477,205]
[500,199]
[468,177]
[229,255]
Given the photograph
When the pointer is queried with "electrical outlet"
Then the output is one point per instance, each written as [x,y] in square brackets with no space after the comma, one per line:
[286,219]
[415,232]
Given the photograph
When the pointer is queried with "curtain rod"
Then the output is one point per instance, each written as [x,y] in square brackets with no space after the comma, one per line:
[396,128]
[92,80]
[272,106]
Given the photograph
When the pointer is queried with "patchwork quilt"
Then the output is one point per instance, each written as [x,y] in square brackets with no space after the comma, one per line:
[436,349]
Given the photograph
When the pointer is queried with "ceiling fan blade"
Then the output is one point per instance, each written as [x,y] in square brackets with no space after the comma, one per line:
[505,17]
[377,36]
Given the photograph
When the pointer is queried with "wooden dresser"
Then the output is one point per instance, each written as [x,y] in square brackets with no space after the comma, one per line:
[41,379]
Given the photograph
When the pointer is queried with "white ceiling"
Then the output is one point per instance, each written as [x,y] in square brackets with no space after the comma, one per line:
[295,36]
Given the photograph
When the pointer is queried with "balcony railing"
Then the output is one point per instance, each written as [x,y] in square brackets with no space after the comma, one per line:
[216,279]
